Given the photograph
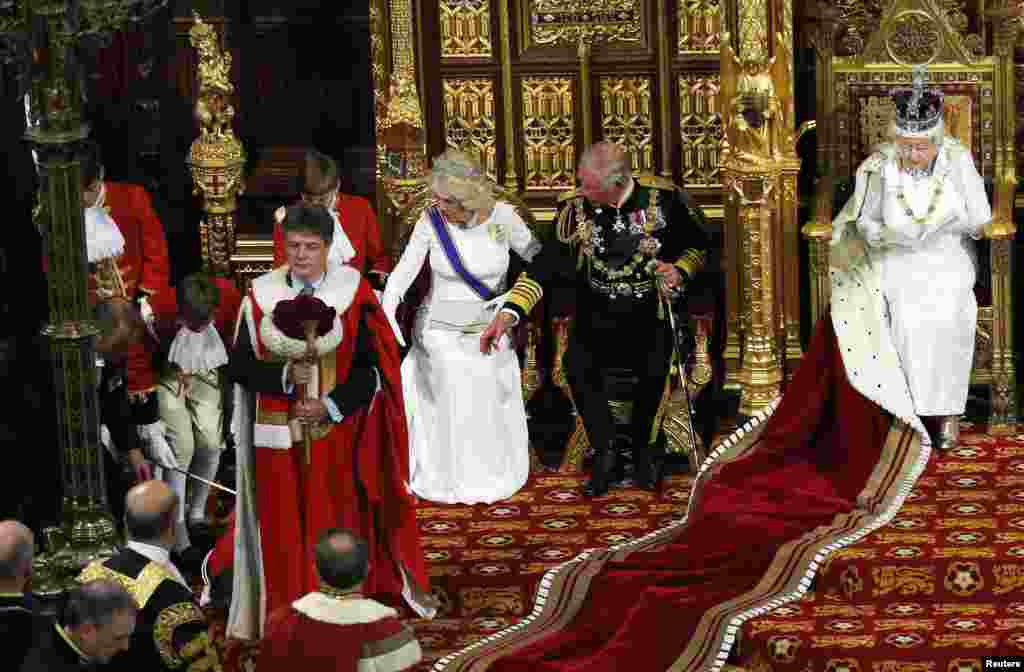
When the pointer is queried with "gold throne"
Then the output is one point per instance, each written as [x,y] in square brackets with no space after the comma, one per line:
[855,110]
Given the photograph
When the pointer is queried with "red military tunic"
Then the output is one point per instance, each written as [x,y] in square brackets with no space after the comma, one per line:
[357,476]
[360,225]
[143,269]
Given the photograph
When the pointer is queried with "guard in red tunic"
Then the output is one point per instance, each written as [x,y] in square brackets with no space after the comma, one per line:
[348,398]
[129,274]
[356,241]
[337,628]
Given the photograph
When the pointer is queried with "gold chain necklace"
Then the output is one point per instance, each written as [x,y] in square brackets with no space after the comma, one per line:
[933,203]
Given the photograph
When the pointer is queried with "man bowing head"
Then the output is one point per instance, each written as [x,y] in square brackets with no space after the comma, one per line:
[327,446]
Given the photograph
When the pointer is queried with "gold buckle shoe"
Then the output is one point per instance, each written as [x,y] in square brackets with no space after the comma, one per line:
[949,433]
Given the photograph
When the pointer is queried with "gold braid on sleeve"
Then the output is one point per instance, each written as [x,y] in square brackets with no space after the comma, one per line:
[525,294]
[691,262]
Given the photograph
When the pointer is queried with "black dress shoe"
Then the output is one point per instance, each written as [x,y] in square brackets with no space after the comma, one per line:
[600,474]
[649,475]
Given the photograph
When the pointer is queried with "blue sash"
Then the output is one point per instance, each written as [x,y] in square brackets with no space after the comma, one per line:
[450,251]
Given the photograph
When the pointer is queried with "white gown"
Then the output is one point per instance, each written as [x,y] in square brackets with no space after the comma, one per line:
[467,422]
[928,270]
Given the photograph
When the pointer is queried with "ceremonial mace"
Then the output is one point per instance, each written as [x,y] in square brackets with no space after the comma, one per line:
[310,328]
[303,320]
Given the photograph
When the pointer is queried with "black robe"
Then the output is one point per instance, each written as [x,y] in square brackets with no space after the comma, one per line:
[171,631]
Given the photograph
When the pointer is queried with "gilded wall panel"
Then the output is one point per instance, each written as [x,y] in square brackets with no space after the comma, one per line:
[700,27]
[469,120]
[466,29]
[700,128]
[554,22]
[549,133]
[752,29]
[626,118]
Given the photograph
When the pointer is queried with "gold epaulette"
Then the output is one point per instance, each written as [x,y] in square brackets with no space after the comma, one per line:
[141,587]
[566,195]
[656,182]
[525,294]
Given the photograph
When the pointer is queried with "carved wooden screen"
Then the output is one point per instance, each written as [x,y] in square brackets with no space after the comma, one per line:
[503,78]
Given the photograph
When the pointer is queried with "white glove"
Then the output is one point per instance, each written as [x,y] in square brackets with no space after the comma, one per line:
[155,444]
[108,442]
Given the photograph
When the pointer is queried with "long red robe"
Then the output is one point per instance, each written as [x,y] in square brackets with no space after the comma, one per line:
[357,477]
[828,466]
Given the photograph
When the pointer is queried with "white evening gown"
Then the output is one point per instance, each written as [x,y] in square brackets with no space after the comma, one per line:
[928,272]
[468,440]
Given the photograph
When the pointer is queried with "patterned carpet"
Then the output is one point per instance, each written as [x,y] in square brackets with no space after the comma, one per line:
[486,560]
[936,590]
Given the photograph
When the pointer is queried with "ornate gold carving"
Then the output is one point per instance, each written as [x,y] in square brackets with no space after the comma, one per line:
[216,158]
[859,19]
[913,39]
[469,120]
[983,343]
[548,133]
[700,27]
[626,118]
[378,67]
[700,128]
[752,30]
[403,59]
[532,375]
[466,29]
[554,22]
[505,27]
[914,32]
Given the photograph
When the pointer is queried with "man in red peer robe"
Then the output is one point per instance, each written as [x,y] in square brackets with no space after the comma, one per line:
[357,240]
[350,400]
[337,628]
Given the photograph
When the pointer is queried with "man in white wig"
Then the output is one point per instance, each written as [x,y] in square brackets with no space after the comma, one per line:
[919,202]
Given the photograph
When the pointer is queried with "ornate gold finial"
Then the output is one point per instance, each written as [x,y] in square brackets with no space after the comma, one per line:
[216,158]
[403,104]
